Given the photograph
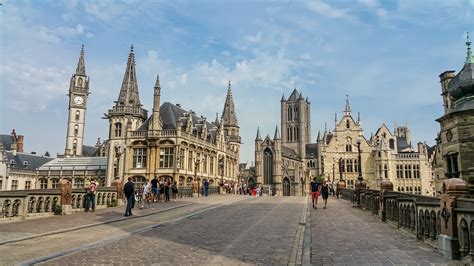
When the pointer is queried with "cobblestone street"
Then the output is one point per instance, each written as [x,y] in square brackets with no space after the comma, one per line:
[218,230]
[342,235]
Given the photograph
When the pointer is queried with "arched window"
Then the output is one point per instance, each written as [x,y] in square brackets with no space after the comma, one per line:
[267,167]
[78,114]
[76,130]
[118,130]
[291,133]
[348,124]
[288,133]
[78,183]
[290,114]
[43,183]
[296,113]
[79,82]
[385,171]
[296,133]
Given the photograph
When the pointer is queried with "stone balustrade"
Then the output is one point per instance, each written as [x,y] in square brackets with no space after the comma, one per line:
[429,219]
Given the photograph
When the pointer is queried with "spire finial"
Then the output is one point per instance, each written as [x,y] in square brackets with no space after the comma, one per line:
[131,49]
[347,109]
[258,134]
[82,49]
[229,85]
[81,67]
[469,57]
[157,83]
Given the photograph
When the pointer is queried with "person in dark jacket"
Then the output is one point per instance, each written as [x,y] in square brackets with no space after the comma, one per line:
[128,190]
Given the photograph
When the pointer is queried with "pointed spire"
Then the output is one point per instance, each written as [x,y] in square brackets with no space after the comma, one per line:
[283,97]
[258,134]
[157,85]
[81,67]
[277,133]
[358,117]
[319,136]
[469,56]
[129,92]
[347,109]
[229,117]
[325,128]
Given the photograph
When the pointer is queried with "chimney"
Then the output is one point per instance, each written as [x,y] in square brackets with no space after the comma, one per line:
[421,148]
[14,144]
[19,143]
[444,79]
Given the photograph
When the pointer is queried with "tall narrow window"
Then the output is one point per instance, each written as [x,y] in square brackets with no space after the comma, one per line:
[76,130]
[139,158]
[349,166]
[190,160]
[211,165]
[267,167]
[166,157]
[181,158]
[55,183]
[27,184]
[204,164]
[43,183]
[452,165]
[356,165]
[385,170]
[380,171]
[118,130]
[348,124]
[343,166]
[14,184]
[78,114]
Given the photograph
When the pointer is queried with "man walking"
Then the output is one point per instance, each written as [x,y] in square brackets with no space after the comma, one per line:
[90,195]
[128,190]
[206,187]
[154,188]
[314,192]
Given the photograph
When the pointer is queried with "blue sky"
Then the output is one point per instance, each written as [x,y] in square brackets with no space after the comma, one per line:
[386,55]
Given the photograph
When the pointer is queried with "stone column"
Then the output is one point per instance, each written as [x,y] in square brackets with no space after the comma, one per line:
[66,196]
[385,185]
[448,241]
[117,183]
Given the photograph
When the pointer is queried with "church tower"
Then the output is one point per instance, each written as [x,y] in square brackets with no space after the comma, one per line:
[78,93]
[295,122]
[230,123]
[126,115]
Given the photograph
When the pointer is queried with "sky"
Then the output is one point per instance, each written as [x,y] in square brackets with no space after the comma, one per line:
[386,55]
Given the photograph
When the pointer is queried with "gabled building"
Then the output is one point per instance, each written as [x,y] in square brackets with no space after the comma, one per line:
[172,144]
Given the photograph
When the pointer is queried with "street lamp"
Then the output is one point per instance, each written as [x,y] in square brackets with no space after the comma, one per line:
[359,184]
[196,164]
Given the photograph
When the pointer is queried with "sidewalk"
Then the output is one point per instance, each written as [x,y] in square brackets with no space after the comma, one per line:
[12,231]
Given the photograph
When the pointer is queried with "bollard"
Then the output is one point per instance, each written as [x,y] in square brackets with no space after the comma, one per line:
[66,196]
[385,185]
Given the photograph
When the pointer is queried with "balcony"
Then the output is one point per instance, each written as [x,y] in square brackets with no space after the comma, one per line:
[128,110]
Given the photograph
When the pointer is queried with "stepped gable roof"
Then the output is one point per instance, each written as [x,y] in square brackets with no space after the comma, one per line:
[76,163]
[26,161]
[89,151]
[288,152]
[6,141]
[311,150]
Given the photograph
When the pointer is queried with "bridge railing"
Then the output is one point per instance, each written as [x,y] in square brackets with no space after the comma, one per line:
[28,203]
[428,218]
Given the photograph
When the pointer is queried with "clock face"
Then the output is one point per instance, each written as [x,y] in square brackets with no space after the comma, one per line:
[78,100]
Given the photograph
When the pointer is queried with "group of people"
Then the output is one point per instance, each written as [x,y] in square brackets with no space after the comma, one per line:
[152,191]
[317,189]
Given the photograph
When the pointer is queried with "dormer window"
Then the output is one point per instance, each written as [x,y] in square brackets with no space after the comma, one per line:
[12,163]
[26,165]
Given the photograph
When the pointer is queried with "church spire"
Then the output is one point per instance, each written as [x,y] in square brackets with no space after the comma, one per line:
[129,92]
[469,56]
[347,109]
[258,134]
[81,67]
[277,133]
[155,121]
[229,117]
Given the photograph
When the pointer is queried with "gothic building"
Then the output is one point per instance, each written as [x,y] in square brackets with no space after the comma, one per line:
[172,143]
[454,154]
[288,163]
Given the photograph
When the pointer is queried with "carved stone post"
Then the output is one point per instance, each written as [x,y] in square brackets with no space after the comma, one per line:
[448,242]
[117,183]
[385,185]
[340,185]
[66,196]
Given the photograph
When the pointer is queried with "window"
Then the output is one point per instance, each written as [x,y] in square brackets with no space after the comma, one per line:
[380,171]
[452,165]
[166,157]
[288,132]
[14,184]
[343,166]
[198,163]
[44,183]
[74,146]
[54,183]
[391,144]
[76,130]
[416,171]
[348,148]
[348,124]
[182,152]
[78,183]
[26,165]
[290,114]
[204,164]
[211,165]
[1,183]
[385,170]
[407,171]
[28,184]
[349,166]
[399,171]
[118,130]
[78,114]
[79,82]
[139,158]
[190,160]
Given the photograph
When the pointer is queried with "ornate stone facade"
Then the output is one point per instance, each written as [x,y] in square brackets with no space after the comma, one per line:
[173,143]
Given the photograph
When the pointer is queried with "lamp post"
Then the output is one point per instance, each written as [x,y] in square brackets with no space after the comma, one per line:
[359,184]
[196,164]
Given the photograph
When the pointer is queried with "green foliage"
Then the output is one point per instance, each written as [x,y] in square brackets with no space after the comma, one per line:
[57,209]
[112,203]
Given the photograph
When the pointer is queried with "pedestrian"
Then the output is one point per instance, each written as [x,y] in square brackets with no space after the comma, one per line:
[128,190]
[90,195]
[258,191]
[314,192]
[325,192]
[206,187]
[154,188]
[174,190]
[146,194]
[161,193]
[167,191]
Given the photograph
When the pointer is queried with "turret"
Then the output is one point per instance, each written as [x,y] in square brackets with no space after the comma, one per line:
[155,120]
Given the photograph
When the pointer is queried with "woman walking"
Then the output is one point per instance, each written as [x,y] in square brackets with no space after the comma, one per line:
[174,190]
[325,192]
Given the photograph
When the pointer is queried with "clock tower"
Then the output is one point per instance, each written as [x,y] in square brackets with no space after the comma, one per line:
[78,93]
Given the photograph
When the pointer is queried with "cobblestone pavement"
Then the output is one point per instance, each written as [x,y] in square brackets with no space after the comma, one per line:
[257,231]
[43,242]
[342,235]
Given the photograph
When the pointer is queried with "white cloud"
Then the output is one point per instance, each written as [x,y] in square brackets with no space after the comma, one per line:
[327,10]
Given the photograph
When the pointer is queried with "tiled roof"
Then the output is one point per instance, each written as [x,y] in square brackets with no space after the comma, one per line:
[77,163]
[311,150]
[25,161]
[6,141]
[288,152]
